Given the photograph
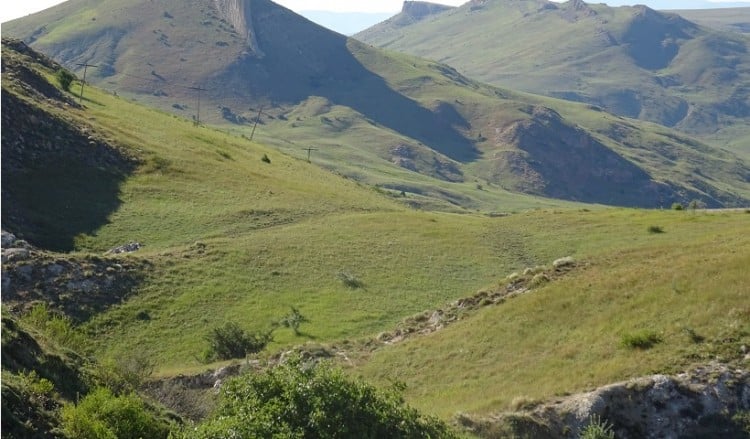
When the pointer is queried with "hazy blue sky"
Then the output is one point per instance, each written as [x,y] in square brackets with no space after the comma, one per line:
[11,9]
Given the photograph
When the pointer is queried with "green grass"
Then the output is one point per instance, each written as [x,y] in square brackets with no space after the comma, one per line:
[232,238]
[566,337]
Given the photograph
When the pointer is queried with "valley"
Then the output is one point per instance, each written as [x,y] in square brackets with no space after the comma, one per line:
[488,256]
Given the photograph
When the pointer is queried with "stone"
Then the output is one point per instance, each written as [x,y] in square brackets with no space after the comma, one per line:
[15,254]
[127,248]
[8,239]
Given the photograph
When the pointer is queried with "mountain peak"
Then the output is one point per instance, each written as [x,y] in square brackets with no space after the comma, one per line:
[418,10]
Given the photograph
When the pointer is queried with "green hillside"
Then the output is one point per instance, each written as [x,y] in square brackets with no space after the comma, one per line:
[632,61]
[235,231]
[407,125]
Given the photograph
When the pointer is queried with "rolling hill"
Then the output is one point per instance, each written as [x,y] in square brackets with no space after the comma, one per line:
[723,19]
[407,125]
[632,61]
[231,230]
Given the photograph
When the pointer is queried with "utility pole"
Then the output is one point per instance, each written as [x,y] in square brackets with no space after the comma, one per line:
[257,119]
[309,151]
[85,68]
[198,111]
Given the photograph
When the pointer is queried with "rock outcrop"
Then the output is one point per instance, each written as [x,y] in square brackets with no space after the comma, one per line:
[708,401]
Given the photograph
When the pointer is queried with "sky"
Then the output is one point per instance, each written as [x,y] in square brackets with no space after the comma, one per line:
[11,9]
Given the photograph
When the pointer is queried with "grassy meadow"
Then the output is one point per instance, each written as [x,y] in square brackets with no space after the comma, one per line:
[238,231]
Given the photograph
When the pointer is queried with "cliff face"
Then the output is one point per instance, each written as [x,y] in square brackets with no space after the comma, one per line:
[239,14]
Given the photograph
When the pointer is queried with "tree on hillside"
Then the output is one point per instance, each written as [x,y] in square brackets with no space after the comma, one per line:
[65,79]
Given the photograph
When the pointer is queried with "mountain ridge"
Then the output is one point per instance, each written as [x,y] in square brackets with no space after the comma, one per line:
[421,126]
[633,61]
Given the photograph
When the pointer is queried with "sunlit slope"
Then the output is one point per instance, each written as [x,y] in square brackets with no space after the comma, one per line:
[688,286]
[633,61]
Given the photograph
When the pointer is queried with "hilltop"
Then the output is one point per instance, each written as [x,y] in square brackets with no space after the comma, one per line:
[408,125]
[632,61]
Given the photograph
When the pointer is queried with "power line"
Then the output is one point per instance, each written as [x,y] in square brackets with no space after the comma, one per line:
[85,68]
[257,119]
[198,115]
[309,151]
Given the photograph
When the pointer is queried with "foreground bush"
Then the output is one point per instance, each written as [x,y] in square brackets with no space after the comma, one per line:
[300,401]
[102,415]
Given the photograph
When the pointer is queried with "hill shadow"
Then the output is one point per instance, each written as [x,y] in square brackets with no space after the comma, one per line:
[58,182]
[299,59]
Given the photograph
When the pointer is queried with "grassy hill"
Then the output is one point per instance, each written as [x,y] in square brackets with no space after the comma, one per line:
[230,236]
[632,61]
[404,124]
[722,19]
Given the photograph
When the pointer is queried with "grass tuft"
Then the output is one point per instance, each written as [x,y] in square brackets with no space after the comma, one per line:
[644,339]
[655,229]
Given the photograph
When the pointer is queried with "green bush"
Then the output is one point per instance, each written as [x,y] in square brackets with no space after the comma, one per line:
[231,341]
[293,320]
[655,229]
[65,79]
[296,400]
[57,328]
[644,339]
[597,429]
[102,415]
[677,206]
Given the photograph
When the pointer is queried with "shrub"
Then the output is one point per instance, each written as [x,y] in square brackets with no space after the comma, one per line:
[265,159]
[597,429]
[350,280]
[102,415]
[644,339]
[297,400]
[677,206]
[231,341]
[65,79]
[39,388]
[293,320]
[57,328]
[655,229]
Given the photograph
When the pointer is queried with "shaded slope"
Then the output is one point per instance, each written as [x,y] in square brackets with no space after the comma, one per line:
[61,179]
[630,60]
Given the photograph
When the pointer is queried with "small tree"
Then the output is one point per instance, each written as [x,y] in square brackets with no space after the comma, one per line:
[65,79]
[231,341]
[293,320]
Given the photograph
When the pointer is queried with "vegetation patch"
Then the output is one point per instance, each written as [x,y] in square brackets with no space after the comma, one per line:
[298,399]
[644,339]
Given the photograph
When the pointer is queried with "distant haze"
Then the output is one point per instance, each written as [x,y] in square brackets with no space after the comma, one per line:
[15,9]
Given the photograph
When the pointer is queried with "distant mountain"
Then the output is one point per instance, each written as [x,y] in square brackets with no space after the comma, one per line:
[346,23]
[406,124]
[633,61]
[723,19]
